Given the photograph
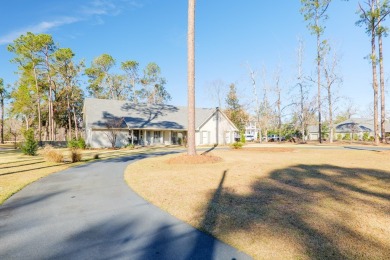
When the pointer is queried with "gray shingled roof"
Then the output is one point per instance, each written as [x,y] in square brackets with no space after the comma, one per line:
[97,112]
[359,124]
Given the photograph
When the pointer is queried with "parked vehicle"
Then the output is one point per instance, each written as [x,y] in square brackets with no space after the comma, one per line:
[275,138]
[249,138]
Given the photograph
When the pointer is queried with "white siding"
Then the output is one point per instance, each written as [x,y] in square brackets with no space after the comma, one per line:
[210,129]
[99,139]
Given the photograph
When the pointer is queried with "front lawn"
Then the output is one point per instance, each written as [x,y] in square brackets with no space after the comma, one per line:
[282,203]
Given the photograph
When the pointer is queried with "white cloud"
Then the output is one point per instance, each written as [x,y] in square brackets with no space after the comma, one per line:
[42,27]
[95,9]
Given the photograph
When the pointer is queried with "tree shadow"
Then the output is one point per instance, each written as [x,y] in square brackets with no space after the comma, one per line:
[34,169]
[21,165]
[210,149]
[313,208]
[22,160]
[152,116]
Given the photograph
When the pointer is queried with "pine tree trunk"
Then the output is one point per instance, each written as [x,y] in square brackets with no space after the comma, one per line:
[38,105]
[279,117]
[76,129]
[191,78]
[330,114]
[51,109]
[319,88]
[69,119]
[382,85]
[374,83]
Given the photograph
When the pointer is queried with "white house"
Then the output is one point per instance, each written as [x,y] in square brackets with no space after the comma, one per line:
[252,128]
[144,124]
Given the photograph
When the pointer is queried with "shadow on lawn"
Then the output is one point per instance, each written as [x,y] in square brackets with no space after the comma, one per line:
[318,209]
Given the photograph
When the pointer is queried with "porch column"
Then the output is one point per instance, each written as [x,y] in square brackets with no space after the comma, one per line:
[132,137]
[145,138]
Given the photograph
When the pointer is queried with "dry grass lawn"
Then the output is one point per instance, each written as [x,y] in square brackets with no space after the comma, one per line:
[18,170]
[279,203]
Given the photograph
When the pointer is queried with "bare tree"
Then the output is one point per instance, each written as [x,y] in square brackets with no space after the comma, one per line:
[253,77]
[266,112]
[331,79]
[314,11]
[191,78]
[113,126]
[15,127]
[302,89]
[278,100]
[217,90]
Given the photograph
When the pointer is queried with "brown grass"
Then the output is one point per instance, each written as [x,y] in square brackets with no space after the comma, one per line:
[75,155]
[300,204]
[197,159]
[52,155]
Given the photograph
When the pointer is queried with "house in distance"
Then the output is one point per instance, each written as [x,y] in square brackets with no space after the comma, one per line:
[145,124]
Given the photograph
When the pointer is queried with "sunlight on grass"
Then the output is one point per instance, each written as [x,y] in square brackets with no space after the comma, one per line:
[18,170]
[300,204]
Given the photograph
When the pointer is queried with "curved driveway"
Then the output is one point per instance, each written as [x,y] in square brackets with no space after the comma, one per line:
[88,212]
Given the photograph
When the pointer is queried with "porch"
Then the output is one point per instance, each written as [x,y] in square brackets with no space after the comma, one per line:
[156,137]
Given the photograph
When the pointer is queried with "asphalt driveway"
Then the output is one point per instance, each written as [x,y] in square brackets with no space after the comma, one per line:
[88,212]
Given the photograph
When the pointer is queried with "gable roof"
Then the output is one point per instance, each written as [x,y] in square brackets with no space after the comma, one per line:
[359,124]
[97,112]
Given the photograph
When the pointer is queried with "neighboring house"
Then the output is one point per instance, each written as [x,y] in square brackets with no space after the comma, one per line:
[359,126]
[251,128]
[352,126]
[145,124]
[312,133]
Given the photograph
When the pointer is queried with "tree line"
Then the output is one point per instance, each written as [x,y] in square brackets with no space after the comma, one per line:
[48,94]
[300,108]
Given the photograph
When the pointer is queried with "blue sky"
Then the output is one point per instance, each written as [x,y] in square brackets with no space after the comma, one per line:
[229,35]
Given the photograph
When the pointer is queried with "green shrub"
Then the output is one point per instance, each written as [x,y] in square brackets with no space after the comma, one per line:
[130,146]
[371,139]
[52,155]
[30,146]
[347,136]
[339,137]
[242,138]
[77,143]
[75,155]
[81,143]
[355,137]
[72,143]
[237,145]
[366,136]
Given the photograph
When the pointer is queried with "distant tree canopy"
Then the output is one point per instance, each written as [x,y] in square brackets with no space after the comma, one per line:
[47,75]
[234,110]
[126,86]
[48,94]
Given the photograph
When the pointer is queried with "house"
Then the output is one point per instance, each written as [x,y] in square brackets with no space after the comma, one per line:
[352,127]
[312,133]
[252,129]
[144,124]
[359,126]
